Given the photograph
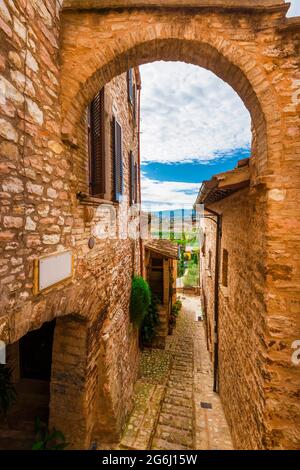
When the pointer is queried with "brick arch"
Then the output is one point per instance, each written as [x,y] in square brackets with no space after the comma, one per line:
[85,68]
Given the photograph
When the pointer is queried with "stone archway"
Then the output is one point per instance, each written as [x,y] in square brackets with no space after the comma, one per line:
[255,51]
[142,37]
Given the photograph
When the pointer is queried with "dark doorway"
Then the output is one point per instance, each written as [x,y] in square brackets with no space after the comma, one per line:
[30,358]
[156,278]
[36,353]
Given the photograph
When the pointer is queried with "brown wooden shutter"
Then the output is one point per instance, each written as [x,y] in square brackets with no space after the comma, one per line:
[134,105]
[118,160]
[97,145]
[136,177]
[132,178]
[130,85]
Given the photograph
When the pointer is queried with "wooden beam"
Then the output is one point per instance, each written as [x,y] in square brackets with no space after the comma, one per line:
[233,178]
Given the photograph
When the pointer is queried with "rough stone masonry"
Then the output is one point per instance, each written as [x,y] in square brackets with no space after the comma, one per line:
[95,352]
[52,63]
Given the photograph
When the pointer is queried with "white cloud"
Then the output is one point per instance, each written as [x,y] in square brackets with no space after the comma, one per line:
[168,195]
[295,8]
[189,113]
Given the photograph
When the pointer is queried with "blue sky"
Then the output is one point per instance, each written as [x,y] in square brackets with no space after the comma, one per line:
[295,8]
[193,126]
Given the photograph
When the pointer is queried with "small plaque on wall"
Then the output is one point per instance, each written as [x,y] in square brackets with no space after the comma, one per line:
[52,269]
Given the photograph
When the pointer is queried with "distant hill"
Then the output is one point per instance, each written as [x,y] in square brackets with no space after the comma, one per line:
[177,213]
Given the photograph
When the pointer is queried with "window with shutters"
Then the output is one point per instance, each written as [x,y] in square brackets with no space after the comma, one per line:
[130,85]
[96,143]
[132,94]
[118,160]
[135,116]
[136,175]
[203,247]
[132,178]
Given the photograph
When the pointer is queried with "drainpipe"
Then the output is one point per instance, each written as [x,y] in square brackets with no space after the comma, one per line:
[216,297]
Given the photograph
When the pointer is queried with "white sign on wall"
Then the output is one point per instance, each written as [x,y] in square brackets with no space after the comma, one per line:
[52,269]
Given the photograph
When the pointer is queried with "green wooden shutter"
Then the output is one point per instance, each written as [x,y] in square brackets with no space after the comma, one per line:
[118,160]
[97,145]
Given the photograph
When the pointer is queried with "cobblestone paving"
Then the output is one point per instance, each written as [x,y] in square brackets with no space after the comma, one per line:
[174,430]
[167,413]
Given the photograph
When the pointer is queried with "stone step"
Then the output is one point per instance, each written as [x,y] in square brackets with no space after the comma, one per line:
[184,411]
[176,392]
[174,435]
[161,444]
[182,365]
[187,360]
[172,419]
[182,369]
[184,355]
[180,375]
[182,362]
[179,401]
[180,385]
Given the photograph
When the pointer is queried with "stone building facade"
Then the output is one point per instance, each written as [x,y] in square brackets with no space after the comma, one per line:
[54,58]
[47,207]
[234,293]
[160,267]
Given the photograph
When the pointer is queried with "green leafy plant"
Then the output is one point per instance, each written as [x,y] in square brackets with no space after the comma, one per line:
[48,440]
[181,262]
[8,392]
[140,300]
[176,308]
[195,256]
[191,279]
[151,321]
[181,267]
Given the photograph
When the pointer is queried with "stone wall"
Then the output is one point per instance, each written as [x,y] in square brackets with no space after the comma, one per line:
[257,54]
[40,214]
[260,416]
[242,309]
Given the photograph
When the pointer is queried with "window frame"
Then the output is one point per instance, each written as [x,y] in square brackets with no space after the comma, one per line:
[130,86]
[93,156]
[118,167]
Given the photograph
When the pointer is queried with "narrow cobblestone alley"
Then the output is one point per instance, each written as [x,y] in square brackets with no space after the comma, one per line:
[173,384]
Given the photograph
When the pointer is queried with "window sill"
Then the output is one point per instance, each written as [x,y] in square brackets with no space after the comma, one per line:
[87,200]
[224,291]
